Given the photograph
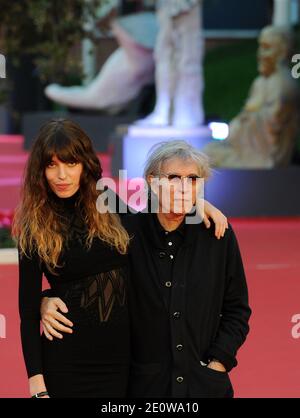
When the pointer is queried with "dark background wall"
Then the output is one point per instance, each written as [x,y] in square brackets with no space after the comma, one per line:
[236,14]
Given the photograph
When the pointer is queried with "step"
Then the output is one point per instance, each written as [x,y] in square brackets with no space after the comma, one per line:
[13,159]
[11,144]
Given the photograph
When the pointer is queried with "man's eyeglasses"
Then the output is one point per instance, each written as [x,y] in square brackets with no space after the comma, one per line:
[177,178]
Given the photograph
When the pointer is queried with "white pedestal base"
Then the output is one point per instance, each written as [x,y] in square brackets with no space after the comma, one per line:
[139,140]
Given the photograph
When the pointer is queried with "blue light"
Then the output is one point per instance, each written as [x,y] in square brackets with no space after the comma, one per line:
[220,130]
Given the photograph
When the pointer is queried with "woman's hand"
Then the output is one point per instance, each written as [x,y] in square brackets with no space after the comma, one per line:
[220,220]
[52,320]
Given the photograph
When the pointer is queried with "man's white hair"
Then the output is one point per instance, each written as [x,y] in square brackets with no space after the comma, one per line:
[168,150]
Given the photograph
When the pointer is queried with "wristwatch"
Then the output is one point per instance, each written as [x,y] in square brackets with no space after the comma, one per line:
[40,394]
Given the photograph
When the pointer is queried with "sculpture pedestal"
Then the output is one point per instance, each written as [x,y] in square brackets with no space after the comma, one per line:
[139,140]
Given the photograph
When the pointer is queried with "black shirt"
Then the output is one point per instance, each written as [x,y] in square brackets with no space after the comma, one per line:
[170,242]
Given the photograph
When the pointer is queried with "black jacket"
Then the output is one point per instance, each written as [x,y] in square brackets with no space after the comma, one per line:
[207,316]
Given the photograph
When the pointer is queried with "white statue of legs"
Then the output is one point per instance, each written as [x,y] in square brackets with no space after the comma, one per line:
[178,66]
[188,110]
[178,72]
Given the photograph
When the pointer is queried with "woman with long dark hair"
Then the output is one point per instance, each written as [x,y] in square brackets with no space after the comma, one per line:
[82,253]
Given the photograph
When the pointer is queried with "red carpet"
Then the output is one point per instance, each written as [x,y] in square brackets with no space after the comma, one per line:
[268,363]
[269,360]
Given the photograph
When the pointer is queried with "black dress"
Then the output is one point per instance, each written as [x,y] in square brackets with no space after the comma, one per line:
[94,360]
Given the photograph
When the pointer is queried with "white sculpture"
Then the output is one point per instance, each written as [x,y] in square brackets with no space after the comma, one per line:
[178,67]
[122,76]
[178,74]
